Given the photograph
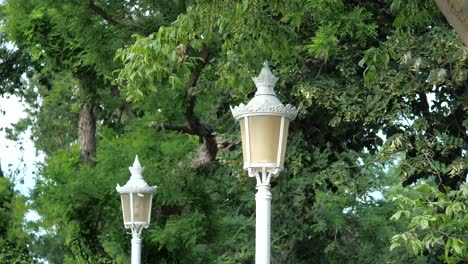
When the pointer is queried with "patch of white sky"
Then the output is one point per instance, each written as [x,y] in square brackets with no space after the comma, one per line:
[18,158]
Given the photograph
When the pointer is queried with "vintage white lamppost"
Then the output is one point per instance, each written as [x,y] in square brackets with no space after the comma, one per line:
[136,196]
[264,123]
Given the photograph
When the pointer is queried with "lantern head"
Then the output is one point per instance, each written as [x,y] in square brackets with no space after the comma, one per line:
[264,123]
[136,197]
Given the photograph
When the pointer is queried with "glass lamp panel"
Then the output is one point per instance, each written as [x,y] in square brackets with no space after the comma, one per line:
[141,207]
[244,142]
[285,139]
[264,132]
[125,199]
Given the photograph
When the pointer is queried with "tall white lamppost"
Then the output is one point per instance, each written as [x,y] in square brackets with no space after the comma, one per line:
[136,196]
[264,123]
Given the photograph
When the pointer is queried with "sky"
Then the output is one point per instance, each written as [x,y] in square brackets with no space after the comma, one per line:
[11,152]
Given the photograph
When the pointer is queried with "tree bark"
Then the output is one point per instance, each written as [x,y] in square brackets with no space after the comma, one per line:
[87,119]
[456,13]
[87,135]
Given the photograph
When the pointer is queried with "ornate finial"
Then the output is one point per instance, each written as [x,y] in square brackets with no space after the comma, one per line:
[136,183]
[265,81]
[136,170]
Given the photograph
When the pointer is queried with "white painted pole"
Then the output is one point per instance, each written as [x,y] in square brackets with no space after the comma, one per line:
[264,103]
[136,248]
[263,224]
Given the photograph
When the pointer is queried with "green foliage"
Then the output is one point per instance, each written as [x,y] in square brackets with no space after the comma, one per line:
[54,121]
[11,254]
[13,240]
[351,25]
[12,66]
[437,223]
[411,13]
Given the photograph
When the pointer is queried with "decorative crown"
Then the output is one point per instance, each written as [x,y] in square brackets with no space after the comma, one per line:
[136,170]
[136,183]
[266,77]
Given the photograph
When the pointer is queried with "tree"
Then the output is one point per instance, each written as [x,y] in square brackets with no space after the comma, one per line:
[357,70]
[13,240]
[65,39]
[438,222]
[394,87]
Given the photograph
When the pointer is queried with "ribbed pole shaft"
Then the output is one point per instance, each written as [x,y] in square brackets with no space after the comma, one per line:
[136,248]
[263,224]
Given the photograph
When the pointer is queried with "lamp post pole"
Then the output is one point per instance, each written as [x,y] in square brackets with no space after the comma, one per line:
[136,197]
[263,219]
[136,244]
[264,123]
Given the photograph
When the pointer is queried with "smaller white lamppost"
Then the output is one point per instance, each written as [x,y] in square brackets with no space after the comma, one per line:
[136,196]
[264,124]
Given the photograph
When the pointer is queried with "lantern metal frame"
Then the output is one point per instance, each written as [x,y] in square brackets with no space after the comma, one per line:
[136,185]
[264,103]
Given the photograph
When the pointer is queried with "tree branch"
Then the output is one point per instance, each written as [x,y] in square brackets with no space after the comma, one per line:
[221,143]
[205,132]
[189,112]
[173,127]
[106,16]
[102,13]
[224,144]
[194,126]
[285,255]
[183,128]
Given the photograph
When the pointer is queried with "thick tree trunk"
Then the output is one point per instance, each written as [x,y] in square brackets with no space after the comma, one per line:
[87,134]
[87,121]
[87,138]
[456,12]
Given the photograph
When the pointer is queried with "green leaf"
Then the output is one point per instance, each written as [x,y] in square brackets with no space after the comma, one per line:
[396,216]
[457,246]
[362,62]
[370,75]
[447,247]
[424,224]
[245,5]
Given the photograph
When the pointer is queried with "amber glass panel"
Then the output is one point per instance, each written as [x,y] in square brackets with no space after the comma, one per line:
[264,138]
[141,204]
[264,134]
[125,197]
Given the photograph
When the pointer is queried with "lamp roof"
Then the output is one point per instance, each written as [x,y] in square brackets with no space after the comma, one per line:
[136,183]
[265,100]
